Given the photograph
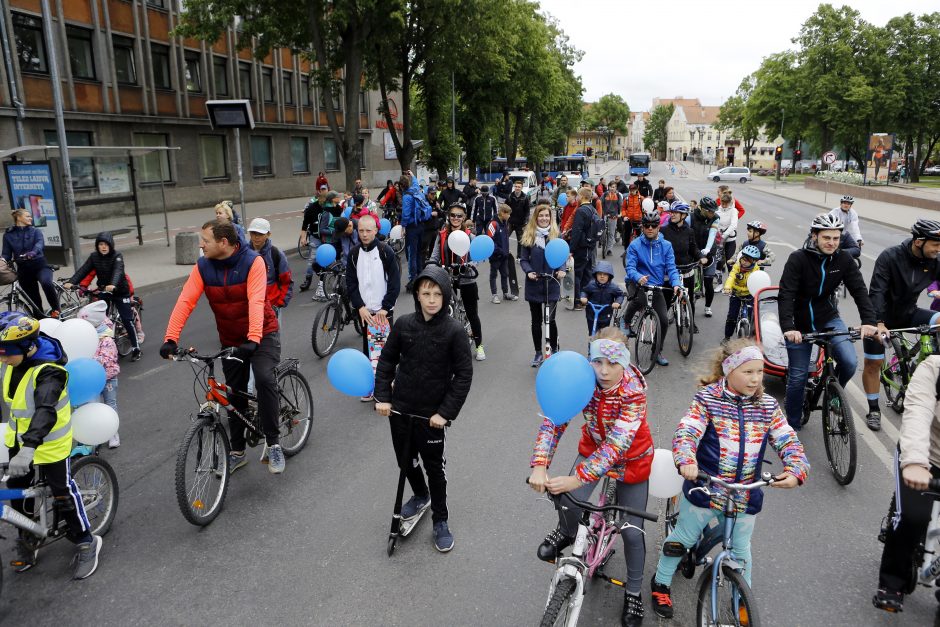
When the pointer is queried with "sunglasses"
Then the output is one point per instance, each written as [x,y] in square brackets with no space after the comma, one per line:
[650,226]
[456,216]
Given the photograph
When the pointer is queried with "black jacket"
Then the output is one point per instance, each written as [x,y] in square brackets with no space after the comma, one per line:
[483,210]
[682,238]
[659,194]
[392,275]
[312,217]
[645,188]
[502,189]
[581,229]
[701,226]
[806,286]
[520,208]
[897,280]
[109,268]
[449,196]
[429,361]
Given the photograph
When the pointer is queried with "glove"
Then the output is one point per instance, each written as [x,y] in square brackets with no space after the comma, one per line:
[245,351]
[168,349]
[19,465]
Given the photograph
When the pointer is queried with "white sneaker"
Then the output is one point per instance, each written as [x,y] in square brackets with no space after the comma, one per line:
[115,441]
[481,354]
[496,299]
[320,293]
[510,297]
[708,312]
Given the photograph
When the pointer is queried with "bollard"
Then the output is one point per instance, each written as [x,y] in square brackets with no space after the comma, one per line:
[187,248]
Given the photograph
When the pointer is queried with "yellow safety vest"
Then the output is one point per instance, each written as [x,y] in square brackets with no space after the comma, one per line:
[57,445]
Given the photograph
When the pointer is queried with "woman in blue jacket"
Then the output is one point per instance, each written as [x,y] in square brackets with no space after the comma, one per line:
[540,230]
[23,244]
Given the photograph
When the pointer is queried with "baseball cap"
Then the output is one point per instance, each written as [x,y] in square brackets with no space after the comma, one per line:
[324,187]
[259,225]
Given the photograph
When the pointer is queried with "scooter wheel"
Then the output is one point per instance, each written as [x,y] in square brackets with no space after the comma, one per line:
[391,545]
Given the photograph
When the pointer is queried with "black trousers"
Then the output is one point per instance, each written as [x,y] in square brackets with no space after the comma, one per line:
[470,295]
[123,304]
[68,501]
[638,302]
[535,311]
[582,270]
[30,279]
[426,443]
[263,362]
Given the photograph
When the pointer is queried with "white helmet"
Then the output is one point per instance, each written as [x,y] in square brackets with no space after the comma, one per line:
[826,222]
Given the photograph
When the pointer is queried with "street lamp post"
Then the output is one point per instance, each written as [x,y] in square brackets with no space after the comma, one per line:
[692,144]
[701,137]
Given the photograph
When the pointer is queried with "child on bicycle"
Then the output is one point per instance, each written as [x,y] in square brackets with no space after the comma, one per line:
[736,286]
[425,369]
[709,438]
[96,313]
[540,230]
[615,442]
[601,290]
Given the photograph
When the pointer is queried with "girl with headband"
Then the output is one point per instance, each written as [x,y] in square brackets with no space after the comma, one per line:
[724,434]
[615,442]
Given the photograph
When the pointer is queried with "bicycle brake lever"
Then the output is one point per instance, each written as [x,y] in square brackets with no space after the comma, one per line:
[702,489]
[627,525]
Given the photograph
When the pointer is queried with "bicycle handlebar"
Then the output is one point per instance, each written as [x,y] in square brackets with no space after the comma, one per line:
[922,329]
[854,334]
[415,416]
[767,478]
[191,353]
[602,508]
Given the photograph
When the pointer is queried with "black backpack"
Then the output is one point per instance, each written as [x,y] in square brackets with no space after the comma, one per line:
[596,228]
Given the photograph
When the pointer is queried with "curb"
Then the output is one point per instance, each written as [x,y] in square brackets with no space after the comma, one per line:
[821,206]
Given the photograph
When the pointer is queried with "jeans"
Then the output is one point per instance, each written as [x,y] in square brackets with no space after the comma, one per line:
[109,393]
[734,309]
[428,443]
[313,243]
[413,235]
[799,355]
[264,361]
[611,232]
[123,305]
[500,266]
[30,279]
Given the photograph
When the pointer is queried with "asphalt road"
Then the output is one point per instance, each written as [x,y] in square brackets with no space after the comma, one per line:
[308,547]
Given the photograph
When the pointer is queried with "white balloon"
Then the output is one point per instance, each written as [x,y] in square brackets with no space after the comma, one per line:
[49,325]
[78,337]
[94,423]
[757,281]
[459,243]
[396,232]
[648,204]
[665,480]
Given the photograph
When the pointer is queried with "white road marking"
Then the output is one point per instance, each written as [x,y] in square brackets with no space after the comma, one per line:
[879,448]
[869,257]
[788,245]
[147,373]
[779,217]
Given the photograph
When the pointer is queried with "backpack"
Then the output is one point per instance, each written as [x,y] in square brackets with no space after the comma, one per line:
[422,208]
[594,230]
[326,225]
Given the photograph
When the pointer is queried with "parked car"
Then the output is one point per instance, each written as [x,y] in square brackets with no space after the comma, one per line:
[741,175]
[530,185]
[932,170]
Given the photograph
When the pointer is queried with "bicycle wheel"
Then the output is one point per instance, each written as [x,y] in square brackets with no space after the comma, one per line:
[732,598]
[895,374]
[70,301]
[839,433]
[303,250]
[295,417]
[326,326]
[202,474]
[330,283]
[97,483]
[646,343]
[121,339]
[743,328]
[684,326]
[559,605]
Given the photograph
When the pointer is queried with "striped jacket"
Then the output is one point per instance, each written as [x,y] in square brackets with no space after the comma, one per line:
[726,435]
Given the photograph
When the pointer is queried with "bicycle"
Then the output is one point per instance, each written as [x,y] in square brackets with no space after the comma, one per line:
[905,356]
[926,562]
[305,250]
[547,311]
[15,298]
[98,487]
[647,333]
[592,549]
[121,337]
[203,454]
[456,309]
[837,420]
[744,324]
[337,313]
[722,574]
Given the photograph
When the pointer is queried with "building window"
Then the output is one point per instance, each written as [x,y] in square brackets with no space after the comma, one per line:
[81,57]
[160,58]
[305,91]
[299,155]
[362,154]
[261,156]
[193,72]
[153,167]
[363,106]
[287,87]
[212,156]
[244,81]
[337,99]
[160,4]
[124,65]
[709,137]
[330,154]
[267,84]
[82,168]
[30,46]
[220,67]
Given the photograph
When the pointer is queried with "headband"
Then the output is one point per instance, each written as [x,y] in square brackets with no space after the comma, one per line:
[614,352]
[732,361]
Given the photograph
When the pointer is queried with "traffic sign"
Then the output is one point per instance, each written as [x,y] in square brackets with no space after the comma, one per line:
[829,158]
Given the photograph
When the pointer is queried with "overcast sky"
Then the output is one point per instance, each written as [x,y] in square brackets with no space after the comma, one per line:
[689,48]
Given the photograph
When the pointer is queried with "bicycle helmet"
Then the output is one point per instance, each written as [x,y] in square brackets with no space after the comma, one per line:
[650,218]
[751,251]
[926,229]
[707,203]
[460,205]
[679,207]
[847,199]
[663,206]
[18,331]
[758,226]
[826,222]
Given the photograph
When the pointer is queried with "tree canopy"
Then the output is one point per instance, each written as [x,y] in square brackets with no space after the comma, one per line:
[656,133]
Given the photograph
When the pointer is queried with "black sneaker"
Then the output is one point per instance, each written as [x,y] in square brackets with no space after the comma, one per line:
[888,601]
[26,556]
[306,284]
[553,544]
[632,615]
[873,419]
[135,354]
[86,558]
[662,599]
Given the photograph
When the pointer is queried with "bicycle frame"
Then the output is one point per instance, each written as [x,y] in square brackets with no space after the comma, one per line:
[40,494]
[597,309]
[927,344]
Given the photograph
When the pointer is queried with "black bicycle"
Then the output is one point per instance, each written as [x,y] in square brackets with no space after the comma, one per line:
[456,308]
[336,314]
[647,332]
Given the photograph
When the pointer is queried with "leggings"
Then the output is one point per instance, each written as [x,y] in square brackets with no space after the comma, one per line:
[730,246]
[471,304]
[633,495]
[535,309]
[708,280]
[31,279]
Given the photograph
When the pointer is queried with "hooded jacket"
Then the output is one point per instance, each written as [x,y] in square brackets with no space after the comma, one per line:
[49,384]
[532,259]
[652,258]
[428,361]
[499,231]
[682,238]
[520,206]
[392,275]
[280,286]
[22,240]
[409,205]
[897,280]
[602,294]
[109,268]
[450,195]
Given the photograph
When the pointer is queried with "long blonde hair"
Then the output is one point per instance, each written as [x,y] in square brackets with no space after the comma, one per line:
[712,370]
[528,235]
[226,206]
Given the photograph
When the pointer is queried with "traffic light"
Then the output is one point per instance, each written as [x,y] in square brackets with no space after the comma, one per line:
[590,151]
[797,155]
[778,154]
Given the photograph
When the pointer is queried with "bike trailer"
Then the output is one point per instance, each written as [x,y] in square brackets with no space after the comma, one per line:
[769,335]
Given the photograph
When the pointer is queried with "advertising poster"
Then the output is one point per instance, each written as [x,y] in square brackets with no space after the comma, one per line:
[390,153]
[878,160]
[113,177]
[30,187]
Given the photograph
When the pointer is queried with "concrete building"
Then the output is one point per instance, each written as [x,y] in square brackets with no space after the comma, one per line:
[638,120]
[127,82]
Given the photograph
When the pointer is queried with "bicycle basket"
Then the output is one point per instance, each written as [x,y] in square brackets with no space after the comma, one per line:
[7,273]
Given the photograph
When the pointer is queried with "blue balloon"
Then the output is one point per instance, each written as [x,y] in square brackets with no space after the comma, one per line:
[556,253]
[384,227]
[564,386]
[350,372]
[562,199]
[347,212]
[326,254]
[86,380]
[481,248]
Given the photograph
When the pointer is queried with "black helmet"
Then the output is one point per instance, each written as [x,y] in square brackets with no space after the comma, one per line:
[707,203]
[926,229]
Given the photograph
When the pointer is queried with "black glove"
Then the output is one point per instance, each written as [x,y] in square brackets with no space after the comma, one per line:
[245,351]
[168,349]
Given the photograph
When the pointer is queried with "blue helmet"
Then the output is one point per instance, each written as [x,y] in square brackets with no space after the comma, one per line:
[679,207]
[751,251]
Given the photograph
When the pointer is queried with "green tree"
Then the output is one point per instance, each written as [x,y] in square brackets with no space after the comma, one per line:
[655,135]
[610,113]
[738,119]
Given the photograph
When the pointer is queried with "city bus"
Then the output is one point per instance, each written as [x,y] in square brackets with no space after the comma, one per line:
[570,165]
[640,163]
[497,166]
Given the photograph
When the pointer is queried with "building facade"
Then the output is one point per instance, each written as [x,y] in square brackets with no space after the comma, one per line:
[127,82]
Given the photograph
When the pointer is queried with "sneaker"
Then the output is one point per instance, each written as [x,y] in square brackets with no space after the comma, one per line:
[443,538]
[888,601]
[276,462]
[632,615]
[54,313]
[553,544]
[496,300]
[873,419]
[695,328]
[578,307]
[662,599]
[135,354]
[708,312]
[306,284]
[115,441]
[320,294]
[236,461]
[414,505]
[26,556]
[367,399]
[86,558]
[662,361]
[481,354]
[537,360]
